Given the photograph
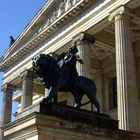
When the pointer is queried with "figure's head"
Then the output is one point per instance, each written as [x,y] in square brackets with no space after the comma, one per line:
[38,61]
[73,49]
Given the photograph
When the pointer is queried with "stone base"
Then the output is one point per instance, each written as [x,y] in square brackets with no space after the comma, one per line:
[78,115]
[58,122]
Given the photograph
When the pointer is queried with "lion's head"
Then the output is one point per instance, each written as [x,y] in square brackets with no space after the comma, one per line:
[39,64]
[43,65]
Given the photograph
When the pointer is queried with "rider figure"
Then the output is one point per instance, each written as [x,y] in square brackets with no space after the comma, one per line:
[72,53]
[67,62]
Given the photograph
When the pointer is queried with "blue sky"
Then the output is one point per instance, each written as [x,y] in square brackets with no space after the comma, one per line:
[14,16]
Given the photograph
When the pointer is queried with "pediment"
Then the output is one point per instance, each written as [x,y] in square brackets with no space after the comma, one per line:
[45,23]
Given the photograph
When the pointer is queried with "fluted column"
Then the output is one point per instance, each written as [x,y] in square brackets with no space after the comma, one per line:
[27,89]
[126,74]
[6,115]
[83,46]
[7,103]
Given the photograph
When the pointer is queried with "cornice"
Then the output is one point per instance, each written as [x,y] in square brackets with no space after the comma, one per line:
[44,33]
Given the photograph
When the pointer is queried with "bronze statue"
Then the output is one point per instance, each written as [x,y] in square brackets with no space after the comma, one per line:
[61,75]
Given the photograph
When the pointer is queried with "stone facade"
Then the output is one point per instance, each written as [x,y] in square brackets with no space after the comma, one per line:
[42,127]
[113,61]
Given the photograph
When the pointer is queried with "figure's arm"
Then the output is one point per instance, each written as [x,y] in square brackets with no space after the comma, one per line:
[80,60]
[67,59]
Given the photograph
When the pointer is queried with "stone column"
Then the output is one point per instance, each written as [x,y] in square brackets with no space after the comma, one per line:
[105,93]
[27,89]
[7,103]
[126,74]
[46,92]
[83,45]
[6,115]
[98,79]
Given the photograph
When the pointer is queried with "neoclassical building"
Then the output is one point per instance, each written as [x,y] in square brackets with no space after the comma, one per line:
[113,62]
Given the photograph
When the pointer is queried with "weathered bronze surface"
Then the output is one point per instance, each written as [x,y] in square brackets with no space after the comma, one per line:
[61,75]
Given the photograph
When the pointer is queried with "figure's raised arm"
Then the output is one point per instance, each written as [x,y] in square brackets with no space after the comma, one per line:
[80,60]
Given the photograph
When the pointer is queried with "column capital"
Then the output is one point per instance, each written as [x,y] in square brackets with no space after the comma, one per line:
[120,11]
[8,87]
[84,38]
[26,74]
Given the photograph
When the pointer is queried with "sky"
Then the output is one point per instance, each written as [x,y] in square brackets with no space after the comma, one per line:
[14,16]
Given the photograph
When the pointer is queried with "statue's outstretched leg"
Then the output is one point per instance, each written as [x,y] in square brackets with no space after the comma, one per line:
[52,96]
[97,105]
[77,105]
[77,100]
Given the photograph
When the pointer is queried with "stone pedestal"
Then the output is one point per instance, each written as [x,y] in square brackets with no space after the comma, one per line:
[66,123]
[27,89]
[78,115]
